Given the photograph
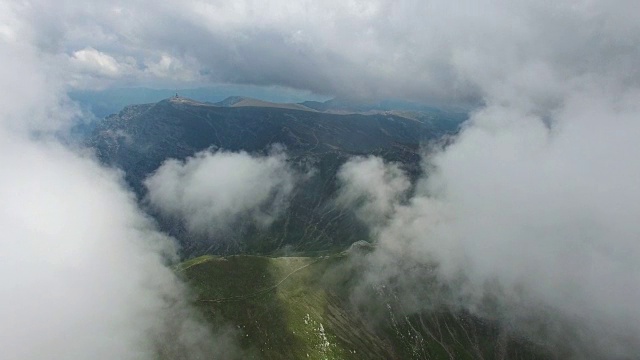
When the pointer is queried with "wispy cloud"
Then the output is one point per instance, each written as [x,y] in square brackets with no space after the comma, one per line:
[218,193]
[537,214]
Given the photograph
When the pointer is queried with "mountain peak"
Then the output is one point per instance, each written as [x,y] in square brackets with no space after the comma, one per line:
[184,101]
[232,100]
[241,101]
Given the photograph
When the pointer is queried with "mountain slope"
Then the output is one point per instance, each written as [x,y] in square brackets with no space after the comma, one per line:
[299,307]
[141,137]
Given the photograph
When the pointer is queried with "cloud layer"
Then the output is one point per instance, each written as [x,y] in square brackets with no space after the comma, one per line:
[217,193]
[83,272]
[371,187]
[545,212]
[425,50]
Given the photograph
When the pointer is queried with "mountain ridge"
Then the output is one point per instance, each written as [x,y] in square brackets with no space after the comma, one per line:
[141,137]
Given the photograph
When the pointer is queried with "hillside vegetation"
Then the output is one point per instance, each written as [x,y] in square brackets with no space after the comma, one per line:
[300,307]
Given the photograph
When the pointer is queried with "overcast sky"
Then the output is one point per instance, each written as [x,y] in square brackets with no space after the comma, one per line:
[425,50]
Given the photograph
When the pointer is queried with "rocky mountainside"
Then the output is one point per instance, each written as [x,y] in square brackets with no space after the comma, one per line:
[140,137]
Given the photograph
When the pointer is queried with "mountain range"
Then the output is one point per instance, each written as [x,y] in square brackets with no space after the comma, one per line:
[295,289]
[140,138]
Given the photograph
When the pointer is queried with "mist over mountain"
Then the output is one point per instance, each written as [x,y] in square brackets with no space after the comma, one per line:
[489,209]
[140,138]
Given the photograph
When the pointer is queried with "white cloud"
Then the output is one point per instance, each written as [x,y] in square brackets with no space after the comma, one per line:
[409,49]
[218,193]
[372,187]
[83,272]
[547,212]
[99,63]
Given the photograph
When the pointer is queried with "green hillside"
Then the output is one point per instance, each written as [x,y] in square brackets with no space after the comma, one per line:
[298,308]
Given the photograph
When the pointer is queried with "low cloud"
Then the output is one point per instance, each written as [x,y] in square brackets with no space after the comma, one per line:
[372,187]
[84,274]
[536,214]
[217,193]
